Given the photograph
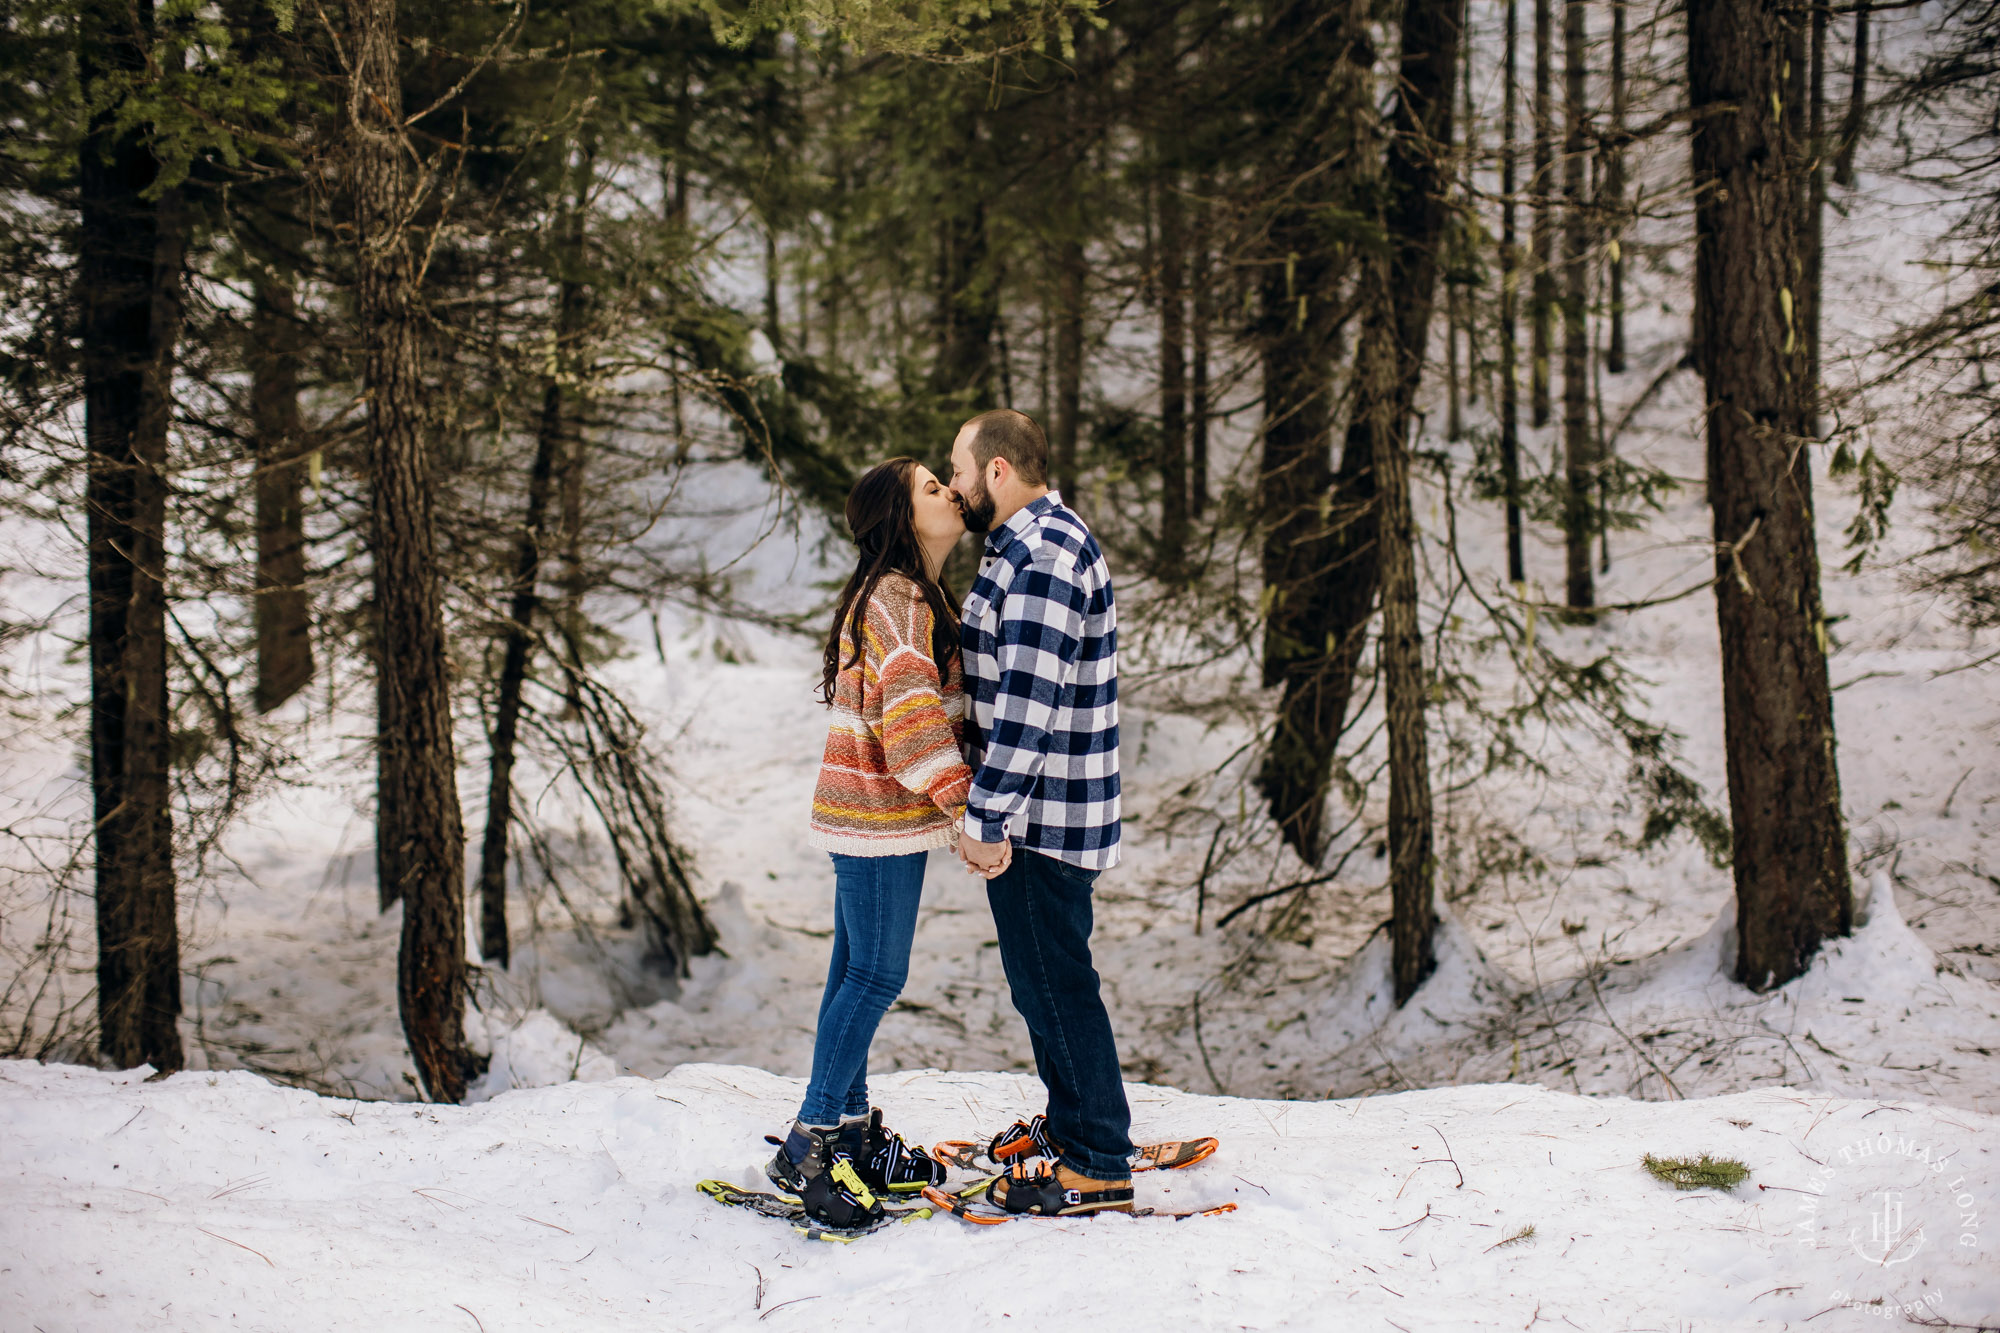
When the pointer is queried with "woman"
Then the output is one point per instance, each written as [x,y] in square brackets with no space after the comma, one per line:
[892,787]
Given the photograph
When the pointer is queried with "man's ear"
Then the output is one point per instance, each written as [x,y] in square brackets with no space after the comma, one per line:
[1001,469]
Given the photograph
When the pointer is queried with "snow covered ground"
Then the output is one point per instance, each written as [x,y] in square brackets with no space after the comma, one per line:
[220,1201]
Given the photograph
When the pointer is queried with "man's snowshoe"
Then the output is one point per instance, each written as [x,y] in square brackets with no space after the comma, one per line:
[973,1203]
[819,1167]
[1025,1138]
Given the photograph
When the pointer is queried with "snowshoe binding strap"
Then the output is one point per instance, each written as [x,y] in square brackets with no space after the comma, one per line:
[1043,1195]
[838,1200]
[894,1167]
[1022,1137]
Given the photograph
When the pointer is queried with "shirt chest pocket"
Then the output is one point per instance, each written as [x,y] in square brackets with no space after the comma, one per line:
[980,615]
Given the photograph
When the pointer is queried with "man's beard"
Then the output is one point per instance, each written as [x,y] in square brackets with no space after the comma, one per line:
[977,508]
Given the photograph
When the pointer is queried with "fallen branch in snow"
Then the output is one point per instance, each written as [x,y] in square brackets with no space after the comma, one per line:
[238,1244]
[1525,1233]
[1939,1321]
[782,1304]
[540,1223]
[1447,1156]
[475,1318]
[1428,1215]
[1590,975]
[1202,1046]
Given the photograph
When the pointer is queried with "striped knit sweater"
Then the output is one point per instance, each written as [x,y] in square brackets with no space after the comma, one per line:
[893,779]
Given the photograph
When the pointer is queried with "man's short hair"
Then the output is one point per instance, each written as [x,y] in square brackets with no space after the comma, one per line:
[1014,436]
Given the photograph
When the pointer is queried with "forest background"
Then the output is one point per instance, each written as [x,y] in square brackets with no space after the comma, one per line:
[425,430]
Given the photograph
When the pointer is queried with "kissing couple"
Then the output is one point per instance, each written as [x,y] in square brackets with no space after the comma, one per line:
[990,728]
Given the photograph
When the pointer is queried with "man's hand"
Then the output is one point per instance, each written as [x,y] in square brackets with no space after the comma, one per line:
[985,859]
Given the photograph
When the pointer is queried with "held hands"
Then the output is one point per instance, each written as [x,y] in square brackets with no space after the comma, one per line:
[985,859]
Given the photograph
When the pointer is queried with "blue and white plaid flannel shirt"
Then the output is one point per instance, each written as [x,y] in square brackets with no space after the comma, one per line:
[1040,638]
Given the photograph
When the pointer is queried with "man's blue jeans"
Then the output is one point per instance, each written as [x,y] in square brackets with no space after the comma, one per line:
[1042,909]
[874,920]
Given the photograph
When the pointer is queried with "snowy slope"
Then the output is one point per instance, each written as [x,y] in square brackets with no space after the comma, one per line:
[221,1201]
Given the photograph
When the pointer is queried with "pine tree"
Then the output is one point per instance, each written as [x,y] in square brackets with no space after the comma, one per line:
[1319,551]
[1792,886]
[1579,441]
[420,840]
[130,250]
[1389,368]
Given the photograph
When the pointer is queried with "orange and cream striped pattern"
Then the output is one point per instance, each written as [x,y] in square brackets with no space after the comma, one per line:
[893,779]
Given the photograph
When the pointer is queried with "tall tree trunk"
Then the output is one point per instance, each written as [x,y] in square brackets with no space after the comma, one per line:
[1469,155]
[1045,347]
[1173,380]
[1579,444]
[129,289]
[1792,885]
[284,610]
[1319,524]
[966,310]
[1003,360]
[1459,389]
[1389,368]
[552,434]
[968,301]
[773,329]
[1510,281]
[1070,275]
[1541,305]
[1202,320]
[1857,102]
[1614,192]
[1454,413]
[423,856]
[1814,260]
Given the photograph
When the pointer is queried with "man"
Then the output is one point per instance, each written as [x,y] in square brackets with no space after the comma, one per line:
[1041,822]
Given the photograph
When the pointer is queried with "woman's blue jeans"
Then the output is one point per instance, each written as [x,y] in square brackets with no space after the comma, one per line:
[874,922]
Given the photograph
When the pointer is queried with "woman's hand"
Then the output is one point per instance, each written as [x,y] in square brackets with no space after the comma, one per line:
[985,859]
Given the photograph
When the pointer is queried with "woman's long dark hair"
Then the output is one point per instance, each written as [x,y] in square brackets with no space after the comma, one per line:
[883,519]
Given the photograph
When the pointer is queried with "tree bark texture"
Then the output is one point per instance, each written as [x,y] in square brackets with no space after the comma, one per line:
[552,434]
[1510,302]
[284,610]
[968,301]
[1389,368]
[1792,885]
[1857,102]
[1614,194]
[1813,164]
[1319,528]
[1542,303]
[1070,275]
[129,260]
[421,840]
[1202,323]
[1173,461]
[1579,442]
